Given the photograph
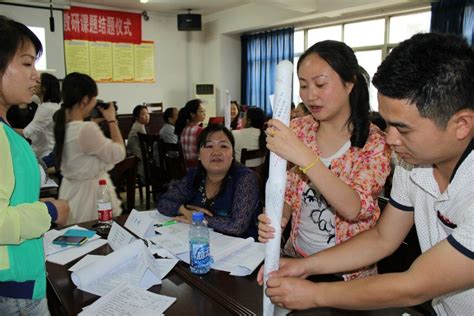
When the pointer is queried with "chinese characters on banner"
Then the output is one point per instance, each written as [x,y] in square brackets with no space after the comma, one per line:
[102,44]
[102,26]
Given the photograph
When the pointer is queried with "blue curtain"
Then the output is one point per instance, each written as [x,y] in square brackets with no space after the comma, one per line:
[261,53]
[453,16]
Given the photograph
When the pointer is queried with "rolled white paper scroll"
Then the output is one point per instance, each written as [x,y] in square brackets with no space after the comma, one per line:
[227,119]
[275,189]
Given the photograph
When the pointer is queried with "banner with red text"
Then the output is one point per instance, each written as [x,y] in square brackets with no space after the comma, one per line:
[102,25]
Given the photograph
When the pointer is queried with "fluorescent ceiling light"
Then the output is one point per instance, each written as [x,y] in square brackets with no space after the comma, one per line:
[143,1]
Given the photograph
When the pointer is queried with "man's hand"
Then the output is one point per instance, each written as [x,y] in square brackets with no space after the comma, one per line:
[288,268]
[291,293]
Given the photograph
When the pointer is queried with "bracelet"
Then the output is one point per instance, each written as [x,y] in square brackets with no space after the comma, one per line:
[112,121]
[311,165]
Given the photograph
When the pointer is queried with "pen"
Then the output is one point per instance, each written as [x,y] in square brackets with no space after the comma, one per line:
[167,223]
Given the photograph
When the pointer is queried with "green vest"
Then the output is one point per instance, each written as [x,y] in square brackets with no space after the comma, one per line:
[26,260]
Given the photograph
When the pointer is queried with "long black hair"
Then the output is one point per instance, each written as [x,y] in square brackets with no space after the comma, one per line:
[202,140]
[13,36]
[76,86]
[256,118]
[184,115]
[235,122]
[342,60]
[50,89]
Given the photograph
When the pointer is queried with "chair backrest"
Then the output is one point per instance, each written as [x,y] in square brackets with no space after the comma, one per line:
[151,165]
[125,172]
[172,160]
[261,170]
[216,120]
[252,154]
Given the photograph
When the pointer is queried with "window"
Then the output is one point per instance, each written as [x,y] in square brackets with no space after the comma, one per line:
[365,33]
[371,41]
[404,26]
[324,33]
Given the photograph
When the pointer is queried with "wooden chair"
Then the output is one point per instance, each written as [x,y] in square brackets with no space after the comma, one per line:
[124,174]
[261,170]
[172,160]
[154,174]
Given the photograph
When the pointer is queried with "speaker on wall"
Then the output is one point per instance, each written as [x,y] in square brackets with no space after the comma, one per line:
[189,22]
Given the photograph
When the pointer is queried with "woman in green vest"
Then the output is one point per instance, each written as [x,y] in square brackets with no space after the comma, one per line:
[23,218]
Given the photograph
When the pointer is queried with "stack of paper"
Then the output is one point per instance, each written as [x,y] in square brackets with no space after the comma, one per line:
[132,264]
[129,300]
[232,254]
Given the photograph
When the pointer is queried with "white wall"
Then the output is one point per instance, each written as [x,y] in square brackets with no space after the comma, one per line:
[172,69]
[210,56]
[178,59]
[54,40]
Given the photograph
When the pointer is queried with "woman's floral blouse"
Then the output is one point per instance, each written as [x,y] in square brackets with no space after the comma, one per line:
[364,169]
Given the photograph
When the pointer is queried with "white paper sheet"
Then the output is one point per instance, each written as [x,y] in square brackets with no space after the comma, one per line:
[64,257]
[175,243]
[244,261]
[87,260]
[164,265]
[133,264]
[129,300]
[275,188]
[119,237]
[141,224]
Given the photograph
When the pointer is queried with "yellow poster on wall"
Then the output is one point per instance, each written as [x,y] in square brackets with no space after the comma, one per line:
[100,56]
[122,55]
[144,62]
[77,56]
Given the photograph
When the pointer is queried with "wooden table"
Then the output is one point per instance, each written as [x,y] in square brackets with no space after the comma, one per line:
[216,293]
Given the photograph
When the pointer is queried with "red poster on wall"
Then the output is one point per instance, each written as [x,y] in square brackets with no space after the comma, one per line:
[102,25]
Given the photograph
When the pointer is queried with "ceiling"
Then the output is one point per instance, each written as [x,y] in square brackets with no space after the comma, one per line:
[180,6]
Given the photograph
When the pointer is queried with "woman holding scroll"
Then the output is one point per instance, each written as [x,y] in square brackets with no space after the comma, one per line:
[341,160]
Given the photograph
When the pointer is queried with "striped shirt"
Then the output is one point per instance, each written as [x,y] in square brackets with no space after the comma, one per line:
[188,139]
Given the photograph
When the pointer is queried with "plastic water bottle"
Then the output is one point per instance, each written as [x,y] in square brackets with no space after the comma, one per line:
[199,251]
[104,206]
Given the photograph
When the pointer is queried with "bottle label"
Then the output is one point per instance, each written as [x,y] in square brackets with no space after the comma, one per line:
[200,256]
[104,210]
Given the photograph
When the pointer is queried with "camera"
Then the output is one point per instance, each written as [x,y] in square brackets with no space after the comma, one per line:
[104,105]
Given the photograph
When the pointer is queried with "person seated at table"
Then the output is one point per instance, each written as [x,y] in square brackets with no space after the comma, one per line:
[252,135]
[223,189]
[341,159]
[41,129]
[140,119]
[83,153]
[235,120]
[167,130]
[425,92]
[188,127]
[301,110]
[23,218]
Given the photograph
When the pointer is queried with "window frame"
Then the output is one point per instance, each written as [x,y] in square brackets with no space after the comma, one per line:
[385,47]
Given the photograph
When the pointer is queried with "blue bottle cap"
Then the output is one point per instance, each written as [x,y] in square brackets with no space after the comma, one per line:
[198,216]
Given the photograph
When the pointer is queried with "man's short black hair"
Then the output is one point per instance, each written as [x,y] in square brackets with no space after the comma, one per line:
[433,71]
